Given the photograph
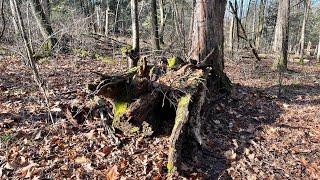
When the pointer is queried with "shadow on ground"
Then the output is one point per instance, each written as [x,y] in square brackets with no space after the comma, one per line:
[232,124]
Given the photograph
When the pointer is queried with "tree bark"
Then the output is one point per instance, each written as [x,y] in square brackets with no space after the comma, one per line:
[154,26]
[116,25]
[280,46]
[44,24]
[133,61]
[208,33]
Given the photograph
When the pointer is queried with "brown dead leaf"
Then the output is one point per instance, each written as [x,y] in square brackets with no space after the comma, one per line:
[8,166]
[107,150]
[81,160]
[303,161]
[230,155]
[92,134]
[147,167]
[112,173]
[38,136]
[251,157]
[246,151]
[71,118]
[27,171]
[124,163]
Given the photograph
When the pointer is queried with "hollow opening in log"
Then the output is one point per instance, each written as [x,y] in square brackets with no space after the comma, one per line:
[161,117]
[164,116]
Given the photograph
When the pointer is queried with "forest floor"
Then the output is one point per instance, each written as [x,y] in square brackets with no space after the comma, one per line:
[252,134]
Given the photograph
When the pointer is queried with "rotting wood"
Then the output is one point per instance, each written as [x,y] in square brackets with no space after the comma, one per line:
[184,88]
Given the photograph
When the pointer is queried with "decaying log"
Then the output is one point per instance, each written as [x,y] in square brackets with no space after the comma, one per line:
[187,121]
[181,120]
[136,97]
[141,109]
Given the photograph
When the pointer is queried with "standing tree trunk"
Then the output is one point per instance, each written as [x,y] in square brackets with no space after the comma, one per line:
[46,8]
[303,28]
[44,24]
[116,27]
[134,57]
[162,21]
[231,34]
[261,23]
[254,21]
[177,19]
[280,45]
[318,53]
[97,8]
[207,37]
[13,15]
[191,21]
[106,25]
[154,26]
[3,19]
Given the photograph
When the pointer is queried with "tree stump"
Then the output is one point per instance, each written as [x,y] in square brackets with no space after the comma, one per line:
[137,100]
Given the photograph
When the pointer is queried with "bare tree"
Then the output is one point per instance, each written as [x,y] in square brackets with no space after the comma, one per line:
[133,61]
[307,4]
[154,25]
[106,26]
[43,24]
[162,20]
[318,53]
[97,8]
[3,19]
[13,15]
[231,33]
[30,61]
[280,45]
[260,23]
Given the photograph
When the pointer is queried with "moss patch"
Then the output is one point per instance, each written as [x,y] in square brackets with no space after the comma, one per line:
[182,109]
[172,62]
[120,109]
[170,167]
